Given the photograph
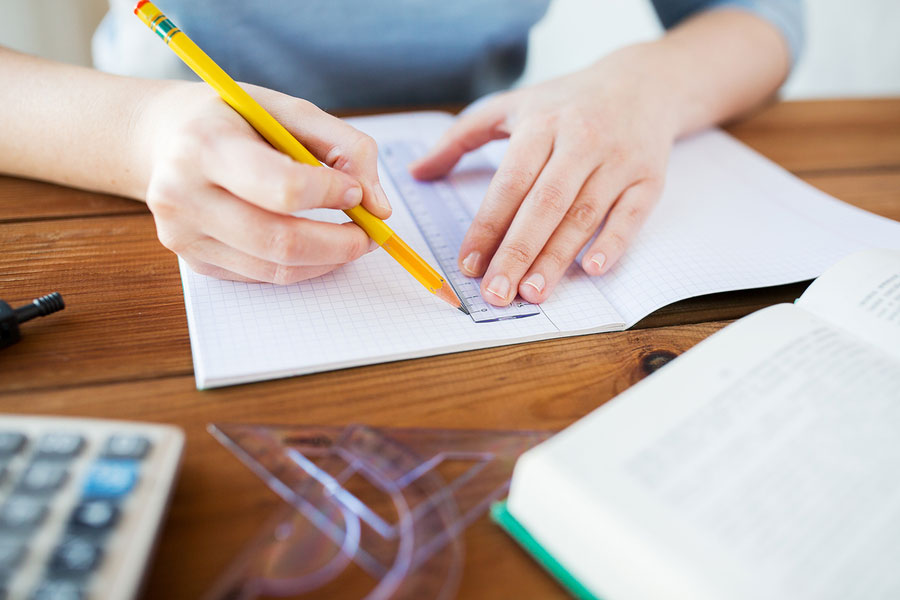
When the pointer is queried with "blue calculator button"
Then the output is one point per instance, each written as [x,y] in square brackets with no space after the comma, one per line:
[110,478]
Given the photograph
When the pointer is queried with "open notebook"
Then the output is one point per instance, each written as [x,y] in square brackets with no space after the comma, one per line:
[728,219]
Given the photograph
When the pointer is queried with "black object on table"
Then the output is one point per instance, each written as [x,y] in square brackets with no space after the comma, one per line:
[10,317]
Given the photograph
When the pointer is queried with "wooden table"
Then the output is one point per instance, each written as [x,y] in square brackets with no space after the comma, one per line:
[121,350]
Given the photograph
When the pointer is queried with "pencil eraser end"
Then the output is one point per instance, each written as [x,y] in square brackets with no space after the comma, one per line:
[138,6]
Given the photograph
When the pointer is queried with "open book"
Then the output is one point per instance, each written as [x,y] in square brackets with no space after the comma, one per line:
[728,219]
[763,463]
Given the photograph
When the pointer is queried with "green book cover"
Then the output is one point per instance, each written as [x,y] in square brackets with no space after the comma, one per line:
[501,515]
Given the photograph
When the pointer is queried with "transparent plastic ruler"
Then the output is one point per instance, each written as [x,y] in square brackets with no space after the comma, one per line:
[443,219]
[394,502]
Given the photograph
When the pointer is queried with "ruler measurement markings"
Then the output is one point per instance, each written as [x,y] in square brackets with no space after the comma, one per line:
[443,220]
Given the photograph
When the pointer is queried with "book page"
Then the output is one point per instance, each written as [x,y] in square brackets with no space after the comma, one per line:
[761,464]
[730,219]
[368,311]
[861,294]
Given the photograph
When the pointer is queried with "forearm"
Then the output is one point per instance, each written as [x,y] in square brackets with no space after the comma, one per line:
[73,126]
[712,68]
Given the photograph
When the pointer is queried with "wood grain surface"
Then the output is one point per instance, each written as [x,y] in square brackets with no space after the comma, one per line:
[121,349]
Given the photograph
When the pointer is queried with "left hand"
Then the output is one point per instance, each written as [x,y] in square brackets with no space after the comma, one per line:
[586,149]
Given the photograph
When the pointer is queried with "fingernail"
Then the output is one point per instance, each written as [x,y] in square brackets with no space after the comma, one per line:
[353,195]
[535,280]
[599,259]
[470,263]
[373,245]
[381,198]
[499,286]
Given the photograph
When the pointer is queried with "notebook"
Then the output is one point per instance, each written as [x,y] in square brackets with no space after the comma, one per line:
[762,463]
[728,219]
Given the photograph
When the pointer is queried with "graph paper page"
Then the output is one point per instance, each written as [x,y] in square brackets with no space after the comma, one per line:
[730,219]
[369,311]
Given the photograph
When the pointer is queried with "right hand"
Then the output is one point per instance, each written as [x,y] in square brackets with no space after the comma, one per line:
[222,197]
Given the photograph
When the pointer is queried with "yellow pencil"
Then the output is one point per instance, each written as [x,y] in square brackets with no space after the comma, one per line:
[282,140]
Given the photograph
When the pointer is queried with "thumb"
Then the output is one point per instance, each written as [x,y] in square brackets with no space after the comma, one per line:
[469,132]
[335,143]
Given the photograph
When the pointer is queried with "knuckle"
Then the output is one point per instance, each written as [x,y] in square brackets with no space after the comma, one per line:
[163,199]
[615,240]
[283,275]
[512,182]
[202,268]
[542,122]
[645,169]
[634,214]
[285,246]
[583,124]
[200,133]
[304,106]
[615,154]
[487,230]
[362,149]
[517,253]
[356,248]
[585,216]
[171,239]
[292,186]
[551,198]
[365,146]
[556,257]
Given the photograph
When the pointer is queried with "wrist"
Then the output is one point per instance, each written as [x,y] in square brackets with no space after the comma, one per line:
[641,73]
[150,122]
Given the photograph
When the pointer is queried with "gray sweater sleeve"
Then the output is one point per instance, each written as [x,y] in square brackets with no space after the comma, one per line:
[786,15]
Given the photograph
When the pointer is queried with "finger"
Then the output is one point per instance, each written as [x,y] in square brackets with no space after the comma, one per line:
[529,149]
[277,238]
[622,224]
[251,169]
[209,270]
[579,224]
[213,258]
[468,132]
[543,209]
[339,145]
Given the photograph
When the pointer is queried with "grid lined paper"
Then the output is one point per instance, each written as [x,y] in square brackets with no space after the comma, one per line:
[728,219]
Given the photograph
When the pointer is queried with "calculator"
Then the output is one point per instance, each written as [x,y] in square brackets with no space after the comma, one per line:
[81,501]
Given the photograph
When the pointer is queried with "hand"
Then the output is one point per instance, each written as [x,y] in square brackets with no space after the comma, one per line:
[586,150]
[222,197]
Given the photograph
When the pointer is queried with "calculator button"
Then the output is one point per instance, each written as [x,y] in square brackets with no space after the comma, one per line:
[43,476]
[59,445]
[22,512]
[126,446]
[75,556]
[11,443]
[94,515]
[58,590]
[110,478]
[11,554]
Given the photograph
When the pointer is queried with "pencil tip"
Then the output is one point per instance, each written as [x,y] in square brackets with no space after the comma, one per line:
[462,309]
[446,293]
